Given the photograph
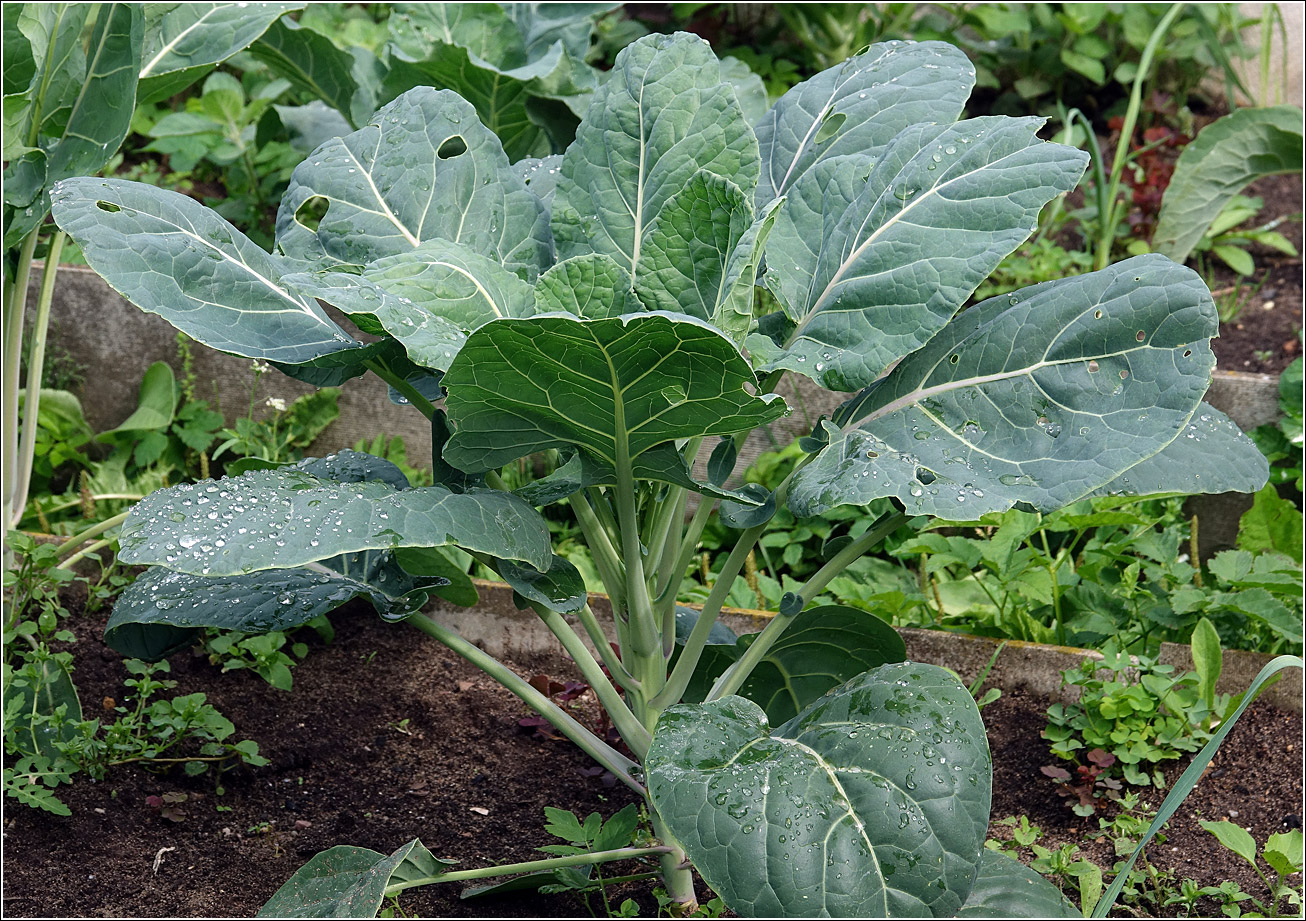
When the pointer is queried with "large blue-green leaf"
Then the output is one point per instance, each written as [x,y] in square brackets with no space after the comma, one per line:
[44,40]
[184,40]
[1006,888]
[542,24]
[1209,433]
[825,647]
[1225,157]
[349,882]
[872,802]
[425,168]
[663,114]
[1038,397]
[615,388]
[873,257]
[292,516]
[170,255]
[162,610]
[311,62]
[858,107]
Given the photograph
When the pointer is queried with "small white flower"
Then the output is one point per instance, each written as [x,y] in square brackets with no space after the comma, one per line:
[260,367]
[276,403]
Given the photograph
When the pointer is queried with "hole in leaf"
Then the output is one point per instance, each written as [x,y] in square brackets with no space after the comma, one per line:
[107,206]
[830,127]
[311,212]
[1188,353]
[1124,373]
[1140,335]
[1097,314]
[452,148]
[954,359]
[925,477]
[1092,367]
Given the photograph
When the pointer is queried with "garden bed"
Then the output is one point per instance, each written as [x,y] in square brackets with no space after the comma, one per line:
[472,783]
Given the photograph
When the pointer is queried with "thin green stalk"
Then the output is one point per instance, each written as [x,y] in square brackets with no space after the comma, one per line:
[1108,226]
[669,578]
[95,497]
[600,640]
[531,866]
[1051,568]
[409,392]
[734,676]
[35,371]
[86,551]
[600,546]
[693,648]
[668,519]
[15,305]
[632,730]
[90,532]
[622,767]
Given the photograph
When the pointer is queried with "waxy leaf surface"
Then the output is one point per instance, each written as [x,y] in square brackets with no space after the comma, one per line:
[1038,397]
[663,114]
[162,610]
[872,802]
[279,519]
[349,882]
[424,168]
[1006,888]
[873,258]
[168,254]
[858,107]
[614,388]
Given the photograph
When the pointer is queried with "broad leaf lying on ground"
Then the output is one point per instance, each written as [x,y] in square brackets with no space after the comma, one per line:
[349,882]
[872,802]
[1006,888]
[1039,397]
[614,388]
[291,516]
[162,610]
[873,256]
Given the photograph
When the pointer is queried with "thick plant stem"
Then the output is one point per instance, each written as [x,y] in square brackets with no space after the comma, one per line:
[622,767]
[531,866]
[600,640]
[35,371]
[631,729]
[693,648]
[734,676]
[669,578]
[86,551]
[1108,220]
[677,876]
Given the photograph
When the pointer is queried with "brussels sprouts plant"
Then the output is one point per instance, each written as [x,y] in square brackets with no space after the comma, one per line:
[601,306]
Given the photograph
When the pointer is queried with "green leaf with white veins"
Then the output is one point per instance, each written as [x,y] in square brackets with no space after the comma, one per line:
[871,802]
[870,270]
[184,40]
[1037,397]
[425,168]
[1178,468]
[310,61]
[614,388]
[858,106]
[663,114]
[592,286]
[279,519]
[168,254]
[162,610]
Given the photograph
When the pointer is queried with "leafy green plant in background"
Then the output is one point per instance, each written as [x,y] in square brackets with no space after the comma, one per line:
[1139,721]
[598,311]
[521,65]
[1282,853]
[1282,441]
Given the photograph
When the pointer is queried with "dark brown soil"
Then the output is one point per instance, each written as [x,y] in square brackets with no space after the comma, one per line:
[463,776]
[1255,780]
[1264,335]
